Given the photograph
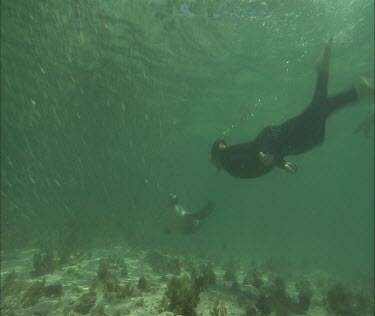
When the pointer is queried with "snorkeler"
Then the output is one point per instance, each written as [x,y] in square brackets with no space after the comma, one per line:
[295,136]
[180,220]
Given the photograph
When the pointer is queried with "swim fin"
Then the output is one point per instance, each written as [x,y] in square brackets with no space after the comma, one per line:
[324,61]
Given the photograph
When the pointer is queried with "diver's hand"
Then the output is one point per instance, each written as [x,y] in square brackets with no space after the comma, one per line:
[290,167]
[266,159]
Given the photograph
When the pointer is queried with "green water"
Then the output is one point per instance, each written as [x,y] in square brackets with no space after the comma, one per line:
[108,106]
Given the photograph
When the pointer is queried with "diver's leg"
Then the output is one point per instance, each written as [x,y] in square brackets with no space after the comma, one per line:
[321,88]
[307,130]
[363,91]
[341,99]
[297,124]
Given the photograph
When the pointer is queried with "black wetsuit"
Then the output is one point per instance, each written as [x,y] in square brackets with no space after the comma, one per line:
[295,136]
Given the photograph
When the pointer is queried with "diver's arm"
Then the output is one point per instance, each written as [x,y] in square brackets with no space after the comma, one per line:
[269,159]
[271,145]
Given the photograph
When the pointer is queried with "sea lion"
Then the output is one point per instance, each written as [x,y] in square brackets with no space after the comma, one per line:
[181,220]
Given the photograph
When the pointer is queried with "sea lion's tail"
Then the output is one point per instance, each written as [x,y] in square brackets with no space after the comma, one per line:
[204,212]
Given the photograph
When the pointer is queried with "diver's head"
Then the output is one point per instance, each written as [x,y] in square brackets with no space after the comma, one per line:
[172,199]
[218,146]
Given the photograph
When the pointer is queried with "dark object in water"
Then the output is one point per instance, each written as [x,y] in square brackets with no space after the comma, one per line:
[53,290]
[163,264]
[251,311]
[43,263]
[181,299]
[264,305]
[85,303]
[208,274]
[33,294]
[305,294]
[143,284]
[8,280]
[253,278]
[276,299]
[344,302]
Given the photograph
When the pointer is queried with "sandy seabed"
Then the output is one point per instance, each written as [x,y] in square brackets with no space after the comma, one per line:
[112,276]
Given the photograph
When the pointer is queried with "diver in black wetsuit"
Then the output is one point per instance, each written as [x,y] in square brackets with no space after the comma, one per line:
[295,136]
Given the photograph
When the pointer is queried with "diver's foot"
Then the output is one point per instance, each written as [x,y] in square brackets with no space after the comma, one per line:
[364,89]
[323,63]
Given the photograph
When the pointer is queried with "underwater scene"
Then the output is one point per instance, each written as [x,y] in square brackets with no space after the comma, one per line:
[187,157]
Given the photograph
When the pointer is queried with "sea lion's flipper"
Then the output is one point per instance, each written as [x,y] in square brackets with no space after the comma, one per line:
[204,211]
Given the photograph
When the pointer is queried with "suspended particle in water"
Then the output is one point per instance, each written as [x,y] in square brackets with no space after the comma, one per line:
[42,70]
[33,181]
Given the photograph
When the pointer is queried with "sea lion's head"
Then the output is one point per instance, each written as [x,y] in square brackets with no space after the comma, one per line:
[172,199]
